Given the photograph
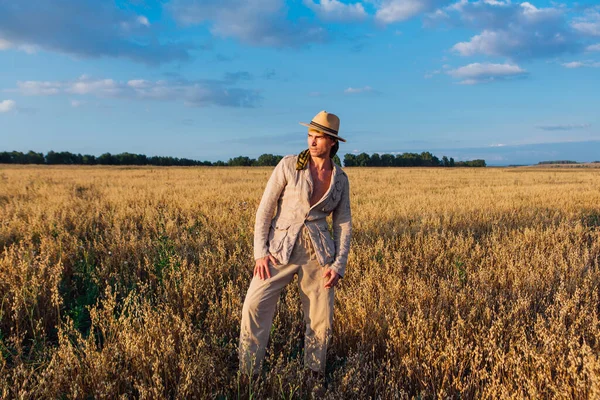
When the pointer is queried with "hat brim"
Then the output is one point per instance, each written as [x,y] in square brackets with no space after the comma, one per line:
[322,131]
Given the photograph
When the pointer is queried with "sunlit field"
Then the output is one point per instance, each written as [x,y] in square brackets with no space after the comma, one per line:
[461,283]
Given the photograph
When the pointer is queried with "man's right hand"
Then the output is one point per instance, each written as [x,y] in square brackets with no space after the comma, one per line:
[261,268]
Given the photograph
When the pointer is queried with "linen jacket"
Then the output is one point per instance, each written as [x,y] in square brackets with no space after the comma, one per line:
[285,208]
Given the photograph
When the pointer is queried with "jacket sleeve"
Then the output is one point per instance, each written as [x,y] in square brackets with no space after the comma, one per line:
[266,209]
[342,231]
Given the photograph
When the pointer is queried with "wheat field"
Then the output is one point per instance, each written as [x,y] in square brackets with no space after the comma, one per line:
[461,283]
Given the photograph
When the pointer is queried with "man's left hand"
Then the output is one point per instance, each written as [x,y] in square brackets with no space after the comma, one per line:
[331,277]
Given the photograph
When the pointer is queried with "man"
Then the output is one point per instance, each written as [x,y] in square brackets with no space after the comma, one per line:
[291,237]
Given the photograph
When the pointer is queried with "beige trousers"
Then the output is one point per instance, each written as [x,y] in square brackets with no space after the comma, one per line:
[261,300]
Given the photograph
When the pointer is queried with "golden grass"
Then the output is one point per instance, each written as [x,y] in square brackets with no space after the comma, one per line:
[129,282]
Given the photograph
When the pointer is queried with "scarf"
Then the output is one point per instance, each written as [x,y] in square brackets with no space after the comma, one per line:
[304,156]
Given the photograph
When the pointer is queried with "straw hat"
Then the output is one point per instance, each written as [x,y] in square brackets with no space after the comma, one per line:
[326,123]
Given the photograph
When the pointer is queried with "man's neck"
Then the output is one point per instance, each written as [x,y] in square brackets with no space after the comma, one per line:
[321,164]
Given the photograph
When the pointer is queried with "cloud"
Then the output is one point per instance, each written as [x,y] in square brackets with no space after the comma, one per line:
[516,31]
[390,11]
[77,103]
[192,93]
[362,90]
[593,47]
[336,11]
[589,23]
[486,72]
[5,44]
[255,22]
[430,75]
[88,29]
[567,127]
[143,20]
[581,64]
[7,106]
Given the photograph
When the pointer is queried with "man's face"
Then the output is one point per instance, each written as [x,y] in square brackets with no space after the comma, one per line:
[319,144]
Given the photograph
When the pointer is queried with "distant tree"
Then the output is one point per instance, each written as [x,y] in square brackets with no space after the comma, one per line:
[268,160]
[18,157]
[451,163]
[63,157]
[106,159]
[363,160]
[387,160]
[445,161]
[35,158]
[375,160]
[336,160]
[472,163]
[429,160]
[399,160]
[219,163]
[88,159]
[349,160]
[558,162]
[131,159]
[240,161]
[412,160]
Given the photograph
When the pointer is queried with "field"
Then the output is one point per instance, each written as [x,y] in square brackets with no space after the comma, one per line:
[461,283]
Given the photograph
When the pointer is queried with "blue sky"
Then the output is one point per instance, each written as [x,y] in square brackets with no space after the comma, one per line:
[511,82]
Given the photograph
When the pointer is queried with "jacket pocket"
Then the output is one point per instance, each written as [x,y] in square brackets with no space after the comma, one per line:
[327,242]
[277,235]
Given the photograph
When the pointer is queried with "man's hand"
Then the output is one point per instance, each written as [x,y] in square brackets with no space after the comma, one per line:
[261,268]
[331,277]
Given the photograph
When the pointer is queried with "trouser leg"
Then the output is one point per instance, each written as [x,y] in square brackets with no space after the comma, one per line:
[257,316]
[317,305]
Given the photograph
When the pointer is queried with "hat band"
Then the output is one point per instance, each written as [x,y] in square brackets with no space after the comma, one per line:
[324,128]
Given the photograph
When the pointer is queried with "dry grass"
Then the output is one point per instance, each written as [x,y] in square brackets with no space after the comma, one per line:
[462,283]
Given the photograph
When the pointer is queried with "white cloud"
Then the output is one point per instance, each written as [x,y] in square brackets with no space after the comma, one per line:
[256,22]
[77,103]
[517,31]
[7,105]
[142,20]
[138,83]
[5,44]
[366,89]
[581,64]
[573,64]
[486,72]
[486,43]
[27,48]
[85,29]
[430,75]
[593,47]
[334,10]
[38,88]
[588,24]
[390,11]
[102,87]
[192,93]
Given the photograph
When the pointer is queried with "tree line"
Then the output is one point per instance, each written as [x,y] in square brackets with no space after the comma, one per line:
[424,159]
[558,162]
[68,158]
